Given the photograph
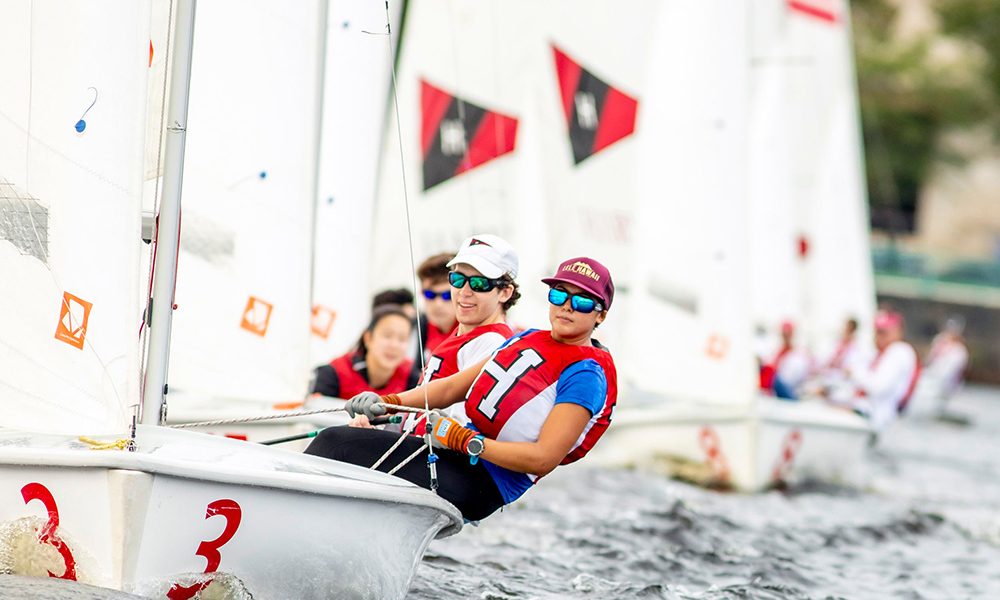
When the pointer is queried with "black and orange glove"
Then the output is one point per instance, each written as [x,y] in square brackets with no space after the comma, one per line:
[446,432]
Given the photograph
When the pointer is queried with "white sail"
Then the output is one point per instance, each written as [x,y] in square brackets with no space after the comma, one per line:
[241,328]
[828,172]
[464,86]
[488,95]
[358,78]
[774,223]
[72,127]
[687,330]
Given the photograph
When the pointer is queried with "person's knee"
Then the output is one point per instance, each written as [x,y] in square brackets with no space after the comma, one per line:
[327,442]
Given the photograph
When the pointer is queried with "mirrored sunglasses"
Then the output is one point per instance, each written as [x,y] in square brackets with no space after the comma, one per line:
[579,303]
[477,283]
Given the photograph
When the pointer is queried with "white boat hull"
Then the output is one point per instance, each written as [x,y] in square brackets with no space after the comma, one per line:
[187,508]
[751,448]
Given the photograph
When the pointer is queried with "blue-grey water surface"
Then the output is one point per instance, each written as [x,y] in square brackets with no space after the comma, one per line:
[926,526]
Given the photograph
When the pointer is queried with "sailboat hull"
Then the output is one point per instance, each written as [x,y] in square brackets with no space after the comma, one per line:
[187,510]
[747,448]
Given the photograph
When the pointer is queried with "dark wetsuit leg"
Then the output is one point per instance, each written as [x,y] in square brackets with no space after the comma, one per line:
[469,487]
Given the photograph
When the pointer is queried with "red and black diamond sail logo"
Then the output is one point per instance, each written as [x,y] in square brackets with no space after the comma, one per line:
[456,139]
[598,114]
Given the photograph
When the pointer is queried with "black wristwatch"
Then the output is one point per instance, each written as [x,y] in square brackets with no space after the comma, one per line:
[475,447]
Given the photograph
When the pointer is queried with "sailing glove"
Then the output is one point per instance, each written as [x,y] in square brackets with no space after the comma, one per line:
[370,404]
[446,432]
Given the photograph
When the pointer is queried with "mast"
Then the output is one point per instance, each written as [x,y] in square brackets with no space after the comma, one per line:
[168,228]
[322,18]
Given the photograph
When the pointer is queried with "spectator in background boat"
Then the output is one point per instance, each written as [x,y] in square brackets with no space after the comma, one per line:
[845,358]
[401,297]
[946,362]
[378,363]
[542,400]
[883,389]
[788,369]
[482,290]
[438,321]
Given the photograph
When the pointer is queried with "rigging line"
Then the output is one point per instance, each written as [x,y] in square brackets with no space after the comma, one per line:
[409,235]
[305,413]
[407,460]
[500,137]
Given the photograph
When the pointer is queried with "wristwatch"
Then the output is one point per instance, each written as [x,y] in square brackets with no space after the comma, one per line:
[475,447]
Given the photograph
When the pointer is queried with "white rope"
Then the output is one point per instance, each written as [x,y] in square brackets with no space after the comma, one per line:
[402,436]
[252,419]
[416,453]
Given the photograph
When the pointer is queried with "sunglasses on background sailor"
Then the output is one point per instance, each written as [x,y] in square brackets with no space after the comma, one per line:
[431,294]
[581,304]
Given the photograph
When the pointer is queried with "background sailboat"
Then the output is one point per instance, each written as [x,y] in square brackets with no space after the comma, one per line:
[147,520]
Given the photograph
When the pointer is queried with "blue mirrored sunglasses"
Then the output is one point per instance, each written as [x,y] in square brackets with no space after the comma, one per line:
[477,283]
[431,294]
[580,304]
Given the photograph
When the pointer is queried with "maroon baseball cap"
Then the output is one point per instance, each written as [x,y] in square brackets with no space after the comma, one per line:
[587,273]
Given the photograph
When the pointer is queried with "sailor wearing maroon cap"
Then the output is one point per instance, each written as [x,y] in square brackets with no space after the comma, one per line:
[542,400]
[483,290]
[885,387]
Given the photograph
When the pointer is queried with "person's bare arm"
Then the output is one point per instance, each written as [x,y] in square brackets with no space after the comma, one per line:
[442,393]
[560,432]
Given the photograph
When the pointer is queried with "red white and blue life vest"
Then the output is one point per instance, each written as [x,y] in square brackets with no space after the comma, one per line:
[514,393]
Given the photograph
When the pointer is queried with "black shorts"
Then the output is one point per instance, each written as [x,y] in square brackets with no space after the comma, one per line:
[469,487]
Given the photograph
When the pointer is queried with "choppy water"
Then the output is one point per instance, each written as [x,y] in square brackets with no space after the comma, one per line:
[927,526]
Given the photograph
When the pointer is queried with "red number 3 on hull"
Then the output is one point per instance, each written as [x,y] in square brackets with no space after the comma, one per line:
[210,550]
[48,535]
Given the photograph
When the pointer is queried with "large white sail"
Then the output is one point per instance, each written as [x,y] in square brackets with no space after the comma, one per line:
[774,222]
[241,329]
[464,86]
[828,173]
[500,104]
[687,330]
[358,78]
[592,102]
[72,127]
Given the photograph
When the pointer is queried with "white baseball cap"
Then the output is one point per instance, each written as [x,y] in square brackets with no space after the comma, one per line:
[488,254]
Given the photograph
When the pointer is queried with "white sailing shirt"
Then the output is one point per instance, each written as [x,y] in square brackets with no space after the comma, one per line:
[886,384]
[945,366]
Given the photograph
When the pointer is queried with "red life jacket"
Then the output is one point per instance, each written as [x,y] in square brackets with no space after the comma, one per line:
[444,361]
[529,368]
[353,382]
[767,372]
[435,336]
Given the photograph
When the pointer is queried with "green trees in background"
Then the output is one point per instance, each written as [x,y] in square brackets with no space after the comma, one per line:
[978,22]
[911,93]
